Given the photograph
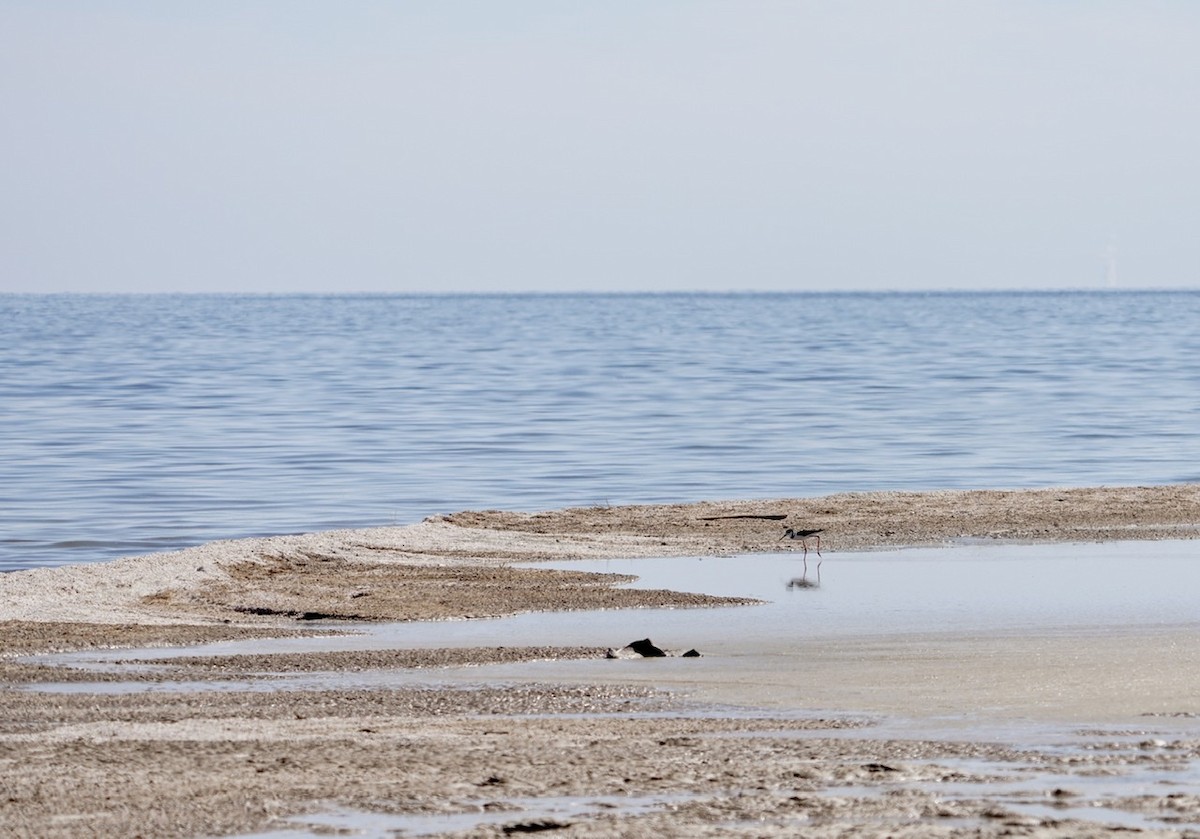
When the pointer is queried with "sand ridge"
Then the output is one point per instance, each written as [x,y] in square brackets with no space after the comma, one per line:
[452,566]
[222,761]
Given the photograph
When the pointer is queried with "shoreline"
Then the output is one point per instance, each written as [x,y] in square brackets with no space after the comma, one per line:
[232,754]
[458,565]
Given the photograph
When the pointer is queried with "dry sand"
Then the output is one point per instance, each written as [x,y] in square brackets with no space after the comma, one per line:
[222,761]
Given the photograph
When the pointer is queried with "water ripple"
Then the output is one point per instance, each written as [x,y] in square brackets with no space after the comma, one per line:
[134,423]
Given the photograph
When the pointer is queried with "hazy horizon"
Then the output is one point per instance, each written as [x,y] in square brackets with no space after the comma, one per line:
[541,147]
[1064,290]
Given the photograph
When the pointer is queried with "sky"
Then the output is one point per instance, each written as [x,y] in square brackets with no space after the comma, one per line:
[623,145]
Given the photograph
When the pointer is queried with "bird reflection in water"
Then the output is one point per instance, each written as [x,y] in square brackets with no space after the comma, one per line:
[802,582]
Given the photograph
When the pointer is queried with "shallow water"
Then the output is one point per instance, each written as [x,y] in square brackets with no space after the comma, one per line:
[963,589]
[1026,796]
[870,604]
[976,588]
[517,811]
[870,608]
[1025,787]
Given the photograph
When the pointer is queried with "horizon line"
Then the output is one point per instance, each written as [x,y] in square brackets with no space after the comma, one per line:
[615,293]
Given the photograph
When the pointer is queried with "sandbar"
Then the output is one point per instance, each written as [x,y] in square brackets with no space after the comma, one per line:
[216,750]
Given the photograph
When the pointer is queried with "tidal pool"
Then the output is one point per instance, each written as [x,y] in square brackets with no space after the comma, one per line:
[1049,631]
[1067,649]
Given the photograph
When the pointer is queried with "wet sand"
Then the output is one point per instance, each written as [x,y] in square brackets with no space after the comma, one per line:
[247,757]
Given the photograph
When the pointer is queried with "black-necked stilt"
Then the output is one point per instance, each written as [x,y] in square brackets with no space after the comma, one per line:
[803,536]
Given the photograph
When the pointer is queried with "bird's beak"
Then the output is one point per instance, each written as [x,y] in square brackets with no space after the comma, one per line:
[781,538]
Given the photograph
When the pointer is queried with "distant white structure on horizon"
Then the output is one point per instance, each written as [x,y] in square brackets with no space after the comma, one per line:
[1110,266]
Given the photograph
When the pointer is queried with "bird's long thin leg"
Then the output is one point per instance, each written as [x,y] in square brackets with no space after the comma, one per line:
[818,538]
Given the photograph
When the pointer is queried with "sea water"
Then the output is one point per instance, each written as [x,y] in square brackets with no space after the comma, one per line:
[138,423]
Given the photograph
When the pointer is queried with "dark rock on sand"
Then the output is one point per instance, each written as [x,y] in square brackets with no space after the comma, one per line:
[646,648]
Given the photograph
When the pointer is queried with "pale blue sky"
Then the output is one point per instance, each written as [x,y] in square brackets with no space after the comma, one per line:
[537,146]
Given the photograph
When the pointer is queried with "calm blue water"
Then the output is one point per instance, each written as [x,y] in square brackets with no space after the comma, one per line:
[138,423]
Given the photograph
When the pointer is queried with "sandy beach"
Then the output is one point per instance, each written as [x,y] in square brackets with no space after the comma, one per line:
[215,750]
